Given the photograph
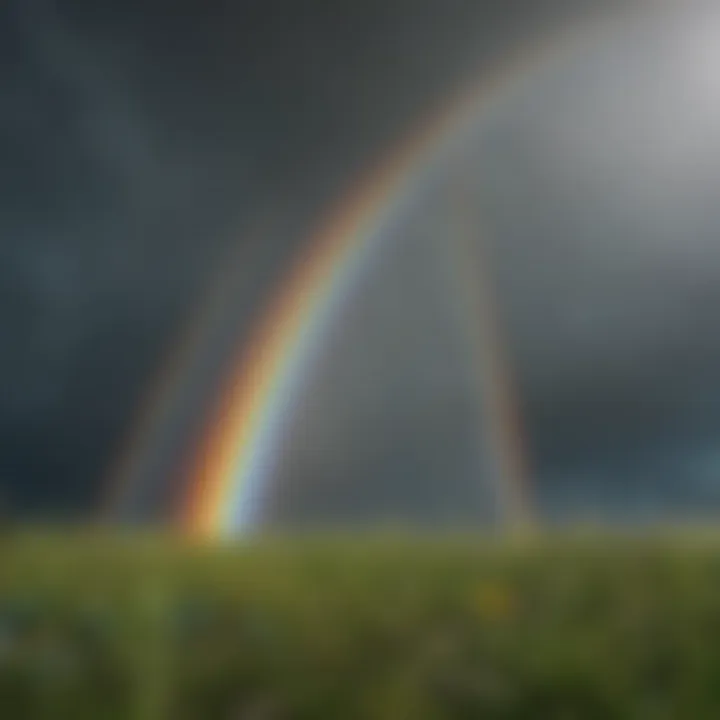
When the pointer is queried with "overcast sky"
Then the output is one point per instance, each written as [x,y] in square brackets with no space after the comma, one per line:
[595,180]
[145,145]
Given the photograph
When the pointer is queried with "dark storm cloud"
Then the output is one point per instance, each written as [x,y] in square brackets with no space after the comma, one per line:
[134,136]
[98,262]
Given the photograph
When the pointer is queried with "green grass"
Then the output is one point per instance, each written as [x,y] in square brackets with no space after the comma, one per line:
[388,627]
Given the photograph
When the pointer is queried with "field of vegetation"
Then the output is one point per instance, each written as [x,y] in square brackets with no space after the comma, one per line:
[387,627]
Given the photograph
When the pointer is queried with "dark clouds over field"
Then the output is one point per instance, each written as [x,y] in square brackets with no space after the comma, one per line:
[136,136]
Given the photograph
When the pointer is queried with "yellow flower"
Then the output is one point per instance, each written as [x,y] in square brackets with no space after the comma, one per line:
[493,601]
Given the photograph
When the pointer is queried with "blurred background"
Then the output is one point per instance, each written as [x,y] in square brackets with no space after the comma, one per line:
[153,155]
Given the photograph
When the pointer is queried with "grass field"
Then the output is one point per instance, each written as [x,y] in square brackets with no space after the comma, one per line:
[389,627]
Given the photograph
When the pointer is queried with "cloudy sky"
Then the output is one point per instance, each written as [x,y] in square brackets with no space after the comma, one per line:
[595,179]
[145,145]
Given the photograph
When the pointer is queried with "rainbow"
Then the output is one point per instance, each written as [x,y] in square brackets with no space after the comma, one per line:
[238,453]
[237,456]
